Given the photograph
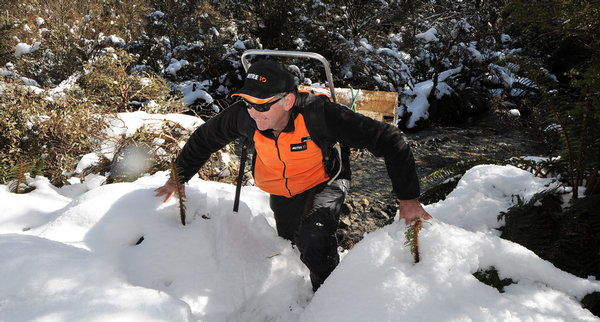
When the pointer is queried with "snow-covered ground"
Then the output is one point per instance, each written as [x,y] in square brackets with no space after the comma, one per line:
[77,254]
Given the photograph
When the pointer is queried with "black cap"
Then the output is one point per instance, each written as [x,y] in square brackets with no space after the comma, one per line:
[266,79]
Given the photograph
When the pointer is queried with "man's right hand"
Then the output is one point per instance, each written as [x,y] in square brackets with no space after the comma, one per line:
[411,210]
[169,189]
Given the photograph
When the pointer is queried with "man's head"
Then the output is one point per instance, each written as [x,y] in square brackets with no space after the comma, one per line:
[266,93]
[265,80]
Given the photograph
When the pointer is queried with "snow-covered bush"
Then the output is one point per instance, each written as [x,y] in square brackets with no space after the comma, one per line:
[461,41]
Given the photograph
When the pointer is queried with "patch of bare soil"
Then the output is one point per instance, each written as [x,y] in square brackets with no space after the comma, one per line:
[371,203]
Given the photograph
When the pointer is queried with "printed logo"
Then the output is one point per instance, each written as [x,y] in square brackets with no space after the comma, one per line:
[306,139]
[298,147]
[259,78]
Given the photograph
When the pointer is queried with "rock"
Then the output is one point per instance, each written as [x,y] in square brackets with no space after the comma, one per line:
[347,208]
[365,202]
[380,214]
[345,222]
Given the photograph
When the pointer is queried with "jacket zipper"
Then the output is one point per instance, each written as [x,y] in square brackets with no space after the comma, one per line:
[284,167]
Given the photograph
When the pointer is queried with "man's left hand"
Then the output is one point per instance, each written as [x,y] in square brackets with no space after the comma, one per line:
[169,189]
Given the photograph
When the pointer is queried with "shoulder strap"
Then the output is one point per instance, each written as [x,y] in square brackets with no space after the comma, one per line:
[315,123]
[319,132]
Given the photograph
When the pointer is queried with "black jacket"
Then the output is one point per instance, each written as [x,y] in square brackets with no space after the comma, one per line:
[346,127]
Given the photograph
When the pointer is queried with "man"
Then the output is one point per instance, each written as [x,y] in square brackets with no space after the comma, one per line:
[307,188]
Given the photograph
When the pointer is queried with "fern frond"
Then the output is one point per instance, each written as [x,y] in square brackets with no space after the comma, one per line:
[533,221]
[16,174]
[571,124]
[175,176]
[36,168]
[412,238]
[459,168]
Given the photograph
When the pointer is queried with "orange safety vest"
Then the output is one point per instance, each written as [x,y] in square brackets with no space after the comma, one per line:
[290,164]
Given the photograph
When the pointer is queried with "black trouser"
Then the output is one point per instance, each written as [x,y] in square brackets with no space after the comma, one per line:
[310,220]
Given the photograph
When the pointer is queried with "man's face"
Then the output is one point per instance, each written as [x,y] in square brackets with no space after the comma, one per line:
[275,118]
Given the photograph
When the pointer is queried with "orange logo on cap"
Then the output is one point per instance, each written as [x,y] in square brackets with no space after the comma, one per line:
[259,78]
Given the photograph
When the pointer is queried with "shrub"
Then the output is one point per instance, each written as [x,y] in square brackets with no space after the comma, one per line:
[56,130]
[109,81]
[67,33]
[568,237]
[571,27]
[5,48]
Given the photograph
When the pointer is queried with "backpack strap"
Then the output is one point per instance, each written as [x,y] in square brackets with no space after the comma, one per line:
[319,132]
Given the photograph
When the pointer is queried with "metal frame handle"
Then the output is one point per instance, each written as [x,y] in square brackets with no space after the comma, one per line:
[297,54]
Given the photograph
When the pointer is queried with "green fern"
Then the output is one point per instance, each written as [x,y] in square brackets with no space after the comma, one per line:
[575,119]
[16,175]
[533,223]
[526,79]
[439,191]
[541,168]
[453,173]
[459,168]
[568,238]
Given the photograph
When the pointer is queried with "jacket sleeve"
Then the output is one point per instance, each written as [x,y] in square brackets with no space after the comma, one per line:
[383,140]
[210,137]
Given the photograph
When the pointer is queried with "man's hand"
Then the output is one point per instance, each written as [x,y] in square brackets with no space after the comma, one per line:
[411,210]
[169,189]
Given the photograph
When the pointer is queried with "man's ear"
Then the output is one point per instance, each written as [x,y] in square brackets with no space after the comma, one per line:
[290,99]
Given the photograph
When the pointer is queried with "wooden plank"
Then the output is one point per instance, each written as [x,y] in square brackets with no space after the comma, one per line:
[374,115]
[375,104]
